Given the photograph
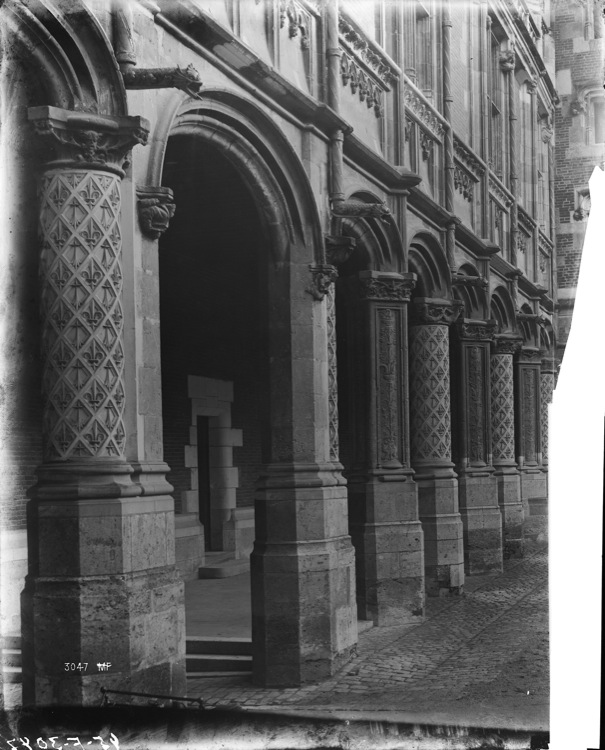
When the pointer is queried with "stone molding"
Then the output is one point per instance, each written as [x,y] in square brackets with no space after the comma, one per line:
[389,387]
[428,311]
[322,276]
[379,66]
[332,374]
[86,140]
[361,83]
[155,207]
[468,159]
[499,192]
[383,288]
[475,330]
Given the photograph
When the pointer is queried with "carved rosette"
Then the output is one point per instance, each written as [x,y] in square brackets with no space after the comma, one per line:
[384,289]
[332,374]
[503,404]
[430,426]
[82,320]
[155,208]
[547,386]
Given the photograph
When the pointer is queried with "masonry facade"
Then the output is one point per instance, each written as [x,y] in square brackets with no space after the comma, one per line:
[282,288]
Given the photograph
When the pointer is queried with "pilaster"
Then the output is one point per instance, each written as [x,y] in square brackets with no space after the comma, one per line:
[503,444]
[383,503]
[430,431]
[472,453]
[101,585]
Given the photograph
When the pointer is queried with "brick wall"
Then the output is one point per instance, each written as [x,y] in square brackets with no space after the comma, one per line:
[209,305]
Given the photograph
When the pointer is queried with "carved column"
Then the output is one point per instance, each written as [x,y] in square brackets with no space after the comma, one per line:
[430,436]
[548,369]
[472,451]
[528,438]
[503,444]
[101,584]
[383,504]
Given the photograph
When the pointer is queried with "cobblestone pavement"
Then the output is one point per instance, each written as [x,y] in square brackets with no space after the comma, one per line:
[480,659]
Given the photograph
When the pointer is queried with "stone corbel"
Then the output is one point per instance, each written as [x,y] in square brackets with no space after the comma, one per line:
[577,107]
[507,60]
[155,208]
[356,209]
[186,79]
[502,344]
[476,330]
[322,275]
[338,249]
[427,311]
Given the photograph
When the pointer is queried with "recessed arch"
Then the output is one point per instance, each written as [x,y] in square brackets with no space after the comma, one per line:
[473,297]
[502,310]
[426,258]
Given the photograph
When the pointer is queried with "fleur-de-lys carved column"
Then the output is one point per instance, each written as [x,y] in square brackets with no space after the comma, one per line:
[431,445]
[548,370]
[101,559]
[472,451]
[503,444]
[383,503]
[528,438]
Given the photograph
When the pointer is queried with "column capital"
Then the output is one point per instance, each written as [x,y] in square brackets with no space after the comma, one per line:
[529,355]
[432,311]
[475,330]
[85,140]
[503,344]
[548,365]
[386,287]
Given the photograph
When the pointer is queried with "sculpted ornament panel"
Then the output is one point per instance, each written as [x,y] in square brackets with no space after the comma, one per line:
[389,388]
[322,276]
[82,317]
[547,385]
[476,416]
[385,289]
[530,416]
[476,330]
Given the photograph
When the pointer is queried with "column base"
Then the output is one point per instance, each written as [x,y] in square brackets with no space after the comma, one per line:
[133,622]
[443,536]
[482,523]
[511,509]
[534,492]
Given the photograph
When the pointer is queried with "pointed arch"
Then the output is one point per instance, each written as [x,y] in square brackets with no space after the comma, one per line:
[502,310]
[426,258]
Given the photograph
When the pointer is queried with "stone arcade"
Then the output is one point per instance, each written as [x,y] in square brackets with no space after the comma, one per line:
[281,296]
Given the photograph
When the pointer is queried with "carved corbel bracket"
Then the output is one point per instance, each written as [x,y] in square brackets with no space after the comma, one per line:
[322,275]
[155,208]
[460,279]
[186,79]
[338,249]
[476,330]
[577,107]
[507,60]
[356,209]
[427,311]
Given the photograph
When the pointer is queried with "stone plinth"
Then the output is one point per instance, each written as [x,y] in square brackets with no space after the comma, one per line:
[477,494]
[430,436]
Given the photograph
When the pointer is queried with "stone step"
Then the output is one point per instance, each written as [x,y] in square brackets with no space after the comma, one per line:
[219,645]
[11,657]
[204,663]
[12,640]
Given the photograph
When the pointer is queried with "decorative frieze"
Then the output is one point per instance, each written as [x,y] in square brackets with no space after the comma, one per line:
[464,183]
[475,330]
[468,159]
[428,311]
[506,345]
[298,21]
[360,46]
[425,114]
[360,82]
[322,277]
[384,289]
[526,223]
[499,193]
[155,208]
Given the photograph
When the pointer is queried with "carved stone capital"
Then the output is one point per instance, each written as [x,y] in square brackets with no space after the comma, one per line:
[356,209]
[428,311]
[321,278]
[386,287]
[85,140]
[338,249]
[186,79]
[530,355]
[475,330]
[506,344]
[460,279]
[156,208]
[507,60]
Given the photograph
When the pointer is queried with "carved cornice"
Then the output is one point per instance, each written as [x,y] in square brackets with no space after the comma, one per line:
[338,249]
[83,140]
[506,344]
[422,111]
[475,330]
[428,311]
[186,79]
[356,209]
[468,159]
[545,244]
[155,208]
[360,82]
[383,288]
[322,275]
[460,279]
[360,47]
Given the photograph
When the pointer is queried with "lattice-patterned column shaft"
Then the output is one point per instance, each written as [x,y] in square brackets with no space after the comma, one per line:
[503,401]
[430,436]
[547,386]
[332,373]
